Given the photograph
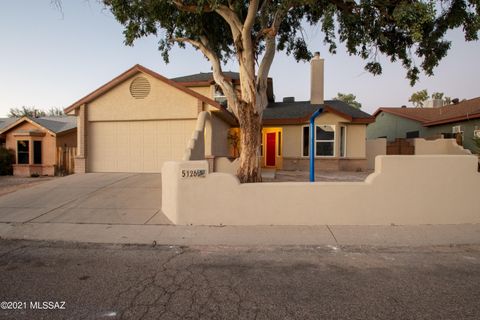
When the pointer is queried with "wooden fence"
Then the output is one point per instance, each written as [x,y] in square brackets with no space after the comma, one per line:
[65,160]
[400,146]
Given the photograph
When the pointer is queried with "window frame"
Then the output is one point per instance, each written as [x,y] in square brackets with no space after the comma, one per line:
[344,141]
[35,153]
[23,152]
[315,146]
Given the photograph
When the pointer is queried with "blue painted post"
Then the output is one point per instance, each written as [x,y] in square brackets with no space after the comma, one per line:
[312,143]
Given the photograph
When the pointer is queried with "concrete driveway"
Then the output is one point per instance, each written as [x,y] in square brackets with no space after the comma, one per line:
[110,198]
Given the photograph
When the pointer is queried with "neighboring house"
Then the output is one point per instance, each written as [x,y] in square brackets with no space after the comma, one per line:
[35,142]
[4,122]
[140,119]
[446,121]
[340,129]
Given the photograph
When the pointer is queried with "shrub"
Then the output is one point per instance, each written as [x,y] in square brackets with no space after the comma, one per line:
[7,158]
[35,175]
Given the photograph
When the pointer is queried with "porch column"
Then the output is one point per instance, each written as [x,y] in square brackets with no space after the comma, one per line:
[81,158]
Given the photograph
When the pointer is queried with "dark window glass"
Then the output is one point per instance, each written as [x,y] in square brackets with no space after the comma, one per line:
[23,152]
[324,148]
[325,133]
[279,143]
[413,134]
[342,141]
[306,140]
[37,152]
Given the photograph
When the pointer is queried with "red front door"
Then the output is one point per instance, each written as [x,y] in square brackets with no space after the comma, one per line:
[271,142]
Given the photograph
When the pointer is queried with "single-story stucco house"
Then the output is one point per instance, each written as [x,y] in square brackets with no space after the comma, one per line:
[445,121]
[140,119]
[35,142]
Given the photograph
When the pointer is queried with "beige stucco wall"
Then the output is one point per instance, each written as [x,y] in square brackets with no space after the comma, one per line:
[218,144]
[409,190]
[48,142]
[356,135]
[356,141]
[375,147]
[207,91]
[439,146]
[163,102]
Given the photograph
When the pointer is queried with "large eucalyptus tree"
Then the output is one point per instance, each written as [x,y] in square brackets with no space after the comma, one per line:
[251,31]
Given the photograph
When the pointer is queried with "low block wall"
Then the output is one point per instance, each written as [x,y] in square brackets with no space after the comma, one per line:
[432,189]
[439,146]
[375,147]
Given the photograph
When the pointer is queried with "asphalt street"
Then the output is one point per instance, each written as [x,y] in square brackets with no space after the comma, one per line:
[53,280]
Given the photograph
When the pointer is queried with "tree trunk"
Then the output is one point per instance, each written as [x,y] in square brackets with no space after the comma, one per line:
[250,141]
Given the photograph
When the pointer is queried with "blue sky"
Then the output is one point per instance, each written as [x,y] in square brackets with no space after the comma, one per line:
[49,59]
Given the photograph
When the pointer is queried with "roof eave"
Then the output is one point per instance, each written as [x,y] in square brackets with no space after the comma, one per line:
[128,74]
[453,119]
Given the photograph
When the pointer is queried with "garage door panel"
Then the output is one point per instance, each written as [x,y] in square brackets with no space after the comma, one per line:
[136,146]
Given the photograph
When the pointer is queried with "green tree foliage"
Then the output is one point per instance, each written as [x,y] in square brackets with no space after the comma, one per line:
[7,158]
[348,98]
[26,112]
[251,31]
[418,98]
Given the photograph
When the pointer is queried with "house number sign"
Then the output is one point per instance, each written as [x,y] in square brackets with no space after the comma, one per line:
[193,173]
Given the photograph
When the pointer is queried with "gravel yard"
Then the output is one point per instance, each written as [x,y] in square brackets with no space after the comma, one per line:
[10,184]
[326,176]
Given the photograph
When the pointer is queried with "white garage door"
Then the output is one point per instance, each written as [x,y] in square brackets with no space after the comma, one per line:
[136,146]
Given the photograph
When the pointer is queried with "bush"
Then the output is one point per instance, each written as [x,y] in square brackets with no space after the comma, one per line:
[7,158]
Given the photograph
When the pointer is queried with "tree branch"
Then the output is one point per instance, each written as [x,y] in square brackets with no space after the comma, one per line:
[226,86]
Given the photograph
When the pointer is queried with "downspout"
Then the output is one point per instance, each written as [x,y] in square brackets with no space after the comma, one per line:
[312,145]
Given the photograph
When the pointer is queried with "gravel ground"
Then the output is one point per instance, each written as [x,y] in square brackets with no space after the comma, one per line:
[10,184]
[327,176]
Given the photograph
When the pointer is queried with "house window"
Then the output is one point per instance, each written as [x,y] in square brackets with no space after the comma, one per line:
[23,152]
[37,152]
[343,141]
[412,134]
[306,141]
[219,96]
[325,140]
[279,143]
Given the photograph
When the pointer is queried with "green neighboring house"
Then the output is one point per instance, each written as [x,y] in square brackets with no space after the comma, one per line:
[446,122]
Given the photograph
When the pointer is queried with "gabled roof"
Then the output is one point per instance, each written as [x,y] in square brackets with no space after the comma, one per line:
[465,110]
[4,122]
[130,73]
[301,111]
[54,125]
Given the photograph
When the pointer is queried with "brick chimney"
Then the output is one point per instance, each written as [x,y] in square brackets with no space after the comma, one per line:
[316,83]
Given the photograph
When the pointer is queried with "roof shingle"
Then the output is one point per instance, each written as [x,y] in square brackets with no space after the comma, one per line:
[302,110]
[433,116]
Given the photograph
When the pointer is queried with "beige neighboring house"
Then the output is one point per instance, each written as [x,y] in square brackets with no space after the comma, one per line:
[139,120]
[35,142]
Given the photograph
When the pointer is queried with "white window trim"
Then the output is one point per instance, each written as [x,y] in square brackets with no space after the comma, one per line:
[476,133]
[344,142]
[215,96]
[315,146]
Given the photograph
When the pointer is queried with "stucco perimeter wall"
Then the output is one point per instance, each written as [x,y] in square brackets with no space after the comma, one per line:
[432,189]
[439,146]
[375,147]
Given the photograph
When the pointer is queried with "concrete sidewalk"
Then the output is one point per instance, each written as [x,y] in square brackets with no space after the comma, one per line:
[382,236]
